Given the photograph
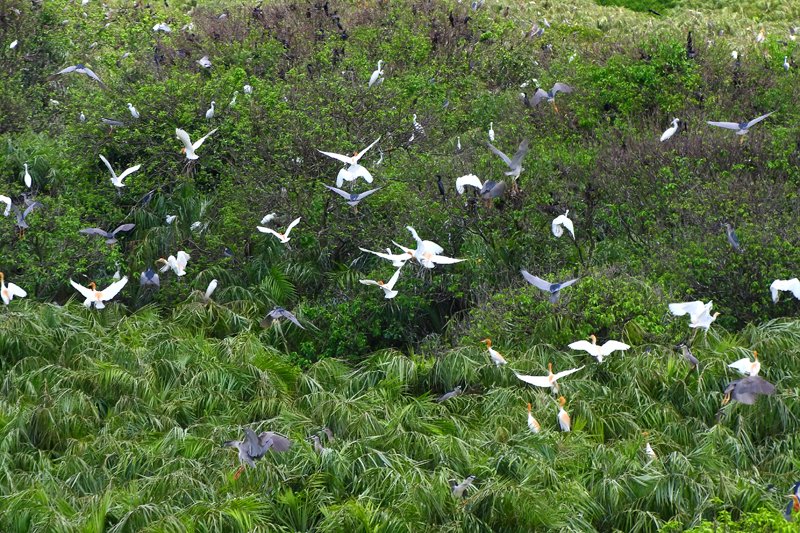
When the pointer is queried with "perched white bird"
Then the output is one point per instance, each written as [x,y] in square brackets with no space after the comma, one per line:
[27,178]
[210,290]
[162,26]
[95,297]
[5,200]
[284,237]
[417,126]
[210,112]
[491,132]
[196,226]
[786,63]
[397,260]
[170,218]
[7,292]
[204,62]
[248,89]
[561,222]
[268,218]
[134,112]
[177,264]
[761,37]
[388,288]
[469,179]
[458,143]
[791,285]
[377,75]
[188,147]
[82,117]
[117,180]
[671,130]
[746,366]
[550,380]
[354,170]
[494,355]
[599,351]
[735,55]
[233,100]
[533,425]
[563,416]
[648,450]
[13,44]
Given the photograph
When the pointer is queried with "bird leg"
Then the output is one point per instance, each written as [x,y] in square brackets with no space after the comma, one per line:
[238,472]
[555,106]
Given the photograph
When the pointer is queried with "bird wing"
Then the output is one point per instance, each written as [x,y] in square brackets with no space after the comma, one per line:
[558,231]
[364,151]
[340,192]
[536,281]
[292,318]
[6,200]
[85,291]
[469,179]
[16,290]
[536,381]
[726,125]
[200,141]
[368,282]
[123,227]
[67,70]
[292,224]
[690,308]
[277,442]
[114,288]
[565,284]
[182,259]
[89,72]
[444,260]
[757,120]
[357,171]
[340,157]
[493,189]
[584,345]
[613,346]
[30,208]
[104,160]
[183,137]
[742,365]
[253,445]
[560,87]
[502,156]
[262,229]
[364,194]
[96,231]
[521,152]
[792,285]
[128,171]
[393,279]
[539,95]
[566,372]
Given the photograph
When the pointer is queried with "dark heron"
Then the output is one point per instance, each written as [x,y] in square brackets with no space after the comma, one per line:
[452,394]
[553,288]
[110,236]
[254,447]
[277,314]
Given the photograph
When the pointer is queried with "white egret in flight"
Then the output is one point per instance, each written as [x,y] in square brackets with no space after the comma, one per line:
[561,222]
[428,253]
[791,285]
[95,297]
[284,237]
[188,147]
[388,287]
[354,170]
[741,128]
[177,264]
[699,313]
[116,181]
[550,380]
[599,351]
[397,260]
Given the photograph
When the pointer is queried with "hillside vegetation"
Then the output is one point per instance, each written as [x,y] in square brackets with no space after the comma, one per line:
[114,419]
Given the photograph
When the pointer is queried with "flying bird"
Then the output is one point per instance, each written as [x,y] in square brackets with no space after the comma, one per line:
[741,128]
[352,198]
[353,169]
[494,355]
[599,351]
[699,313]
[116,181]
[514,164]
[81,69]
[254,447]
[458,489]
[278,313]
[790,285]
[110,236]
[388,288]
[177,264]
[487,190]
[188,147]
[550,95]
[377,75]
[561,222]
[746,390]
[746,366]
[428,253]
[553,288]
[284,237]
[550,380]
[8,291]
[21,224]
[95,297]
[670,131]
[397,260]
[149,278]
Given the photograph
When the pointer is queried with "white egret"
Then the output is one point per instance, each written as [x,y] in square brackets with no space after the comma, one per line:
[670,131]
[162,26]
[491,132]
[494,355]
[268,218]
[6,200]
[761,37]
[790,285]
[212,286]
[177,264]
[82,117]
[699,313]
[388,287]
[417,126]
[553,288]
[7,292]
[13,44]
[428,253]
[741,128]
[169,219]
[352,173]
[599,351]
[354,170]
[564,419]
[747,366]
[397,260]
[284,237]
[95,297]
[132,109]
[648,450]
[116,181]
[27,178]
[561,222]
[533,424]
[188,147]
[248,89]
[550,380]
[458,143]
[377,75]
[210,112]
[204,62]
[196,225]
